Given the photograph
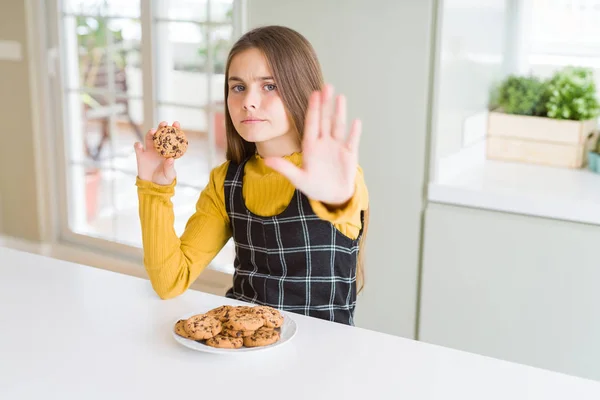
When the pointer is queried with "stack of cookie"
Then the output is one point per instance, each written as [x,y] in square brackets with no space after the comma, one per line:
[231,327]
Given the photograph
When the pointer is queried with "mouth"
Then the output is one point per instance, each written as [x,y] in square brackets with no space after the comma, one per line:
[252,121]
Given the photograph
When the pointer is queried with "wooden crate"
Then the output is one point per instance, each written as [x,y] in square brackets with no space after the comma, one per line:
[539,140]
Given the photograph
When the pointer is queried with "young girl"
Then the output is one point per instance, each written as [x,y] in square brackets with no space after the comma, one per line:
[291,193]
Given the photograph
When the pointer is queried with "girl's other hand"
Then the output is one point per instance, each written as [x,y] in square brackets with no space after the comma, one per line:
[152,166]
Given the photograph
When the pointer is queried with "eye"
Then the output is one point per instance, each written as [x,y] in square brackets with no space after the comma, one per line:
[237,88]
[270,87]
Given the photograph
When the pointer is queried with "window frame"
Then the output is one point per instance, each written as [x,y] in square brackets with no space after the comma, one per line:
[50,32]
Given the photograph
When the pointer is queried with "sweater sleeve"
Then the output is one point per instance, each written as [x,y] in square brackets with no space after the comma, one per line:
[174,263]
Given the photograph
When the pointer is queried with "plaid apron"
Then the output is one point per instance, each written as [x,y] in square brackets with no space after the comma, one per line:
[293,261]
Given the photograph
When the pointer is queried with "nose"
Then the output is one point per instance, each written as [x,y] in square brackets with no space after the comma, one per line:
[251,100]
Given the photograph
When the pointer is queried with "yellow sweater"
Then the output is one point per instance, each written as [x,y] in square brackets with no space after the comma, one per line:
[173,263]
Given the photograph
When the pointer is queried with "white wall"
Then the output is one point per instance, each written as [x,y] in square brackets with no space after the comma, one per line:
[377,53]
[472,58]
[19,192]
[514,287]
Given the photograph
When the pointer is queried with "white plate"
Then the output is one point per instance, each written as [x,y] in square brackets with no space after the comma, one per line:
[288,330]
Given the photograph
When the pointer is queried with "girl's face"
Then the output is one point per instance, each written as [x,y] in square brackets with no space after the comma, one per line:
[255,106]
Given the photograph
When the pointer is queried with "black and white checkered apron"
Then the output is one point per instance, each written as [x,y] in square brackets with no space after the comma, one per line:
[293,261]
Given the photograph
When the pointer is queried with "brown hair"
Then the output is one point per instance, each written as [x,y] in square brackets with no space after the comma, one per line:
[297,72]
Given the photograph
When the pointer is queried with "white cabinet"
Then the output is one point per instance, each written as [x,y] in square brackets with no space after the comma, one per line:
[514,287]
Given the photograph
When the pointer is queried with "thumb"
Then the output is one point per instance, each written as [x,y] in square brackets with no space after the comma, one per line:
[287,169]
[169,169]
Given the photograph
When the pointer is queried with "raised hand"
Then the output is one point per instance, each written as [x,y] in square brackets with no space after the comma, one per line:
[330,158]
[151,165]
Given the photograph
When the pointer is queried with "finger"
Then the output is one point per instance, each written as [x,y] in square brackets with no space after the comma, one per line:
[339,123]
[311,122]
[326,112]
[169,169]
[163,123]
[139,149]
[287,169]
[354,136]
[176,125]
[149,141]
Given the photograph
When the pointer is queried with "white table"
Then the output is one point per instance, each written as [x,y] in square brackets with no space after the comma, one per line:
[69,331]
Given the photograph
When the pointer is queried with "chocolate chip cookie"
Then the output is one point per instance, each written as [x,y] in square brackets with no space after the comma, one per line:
[221,313]
[244,322]
[240,310]
[262,337]
[272,317]
[170,142]
[180,330]
[236,334]
[225,342]
[202,326]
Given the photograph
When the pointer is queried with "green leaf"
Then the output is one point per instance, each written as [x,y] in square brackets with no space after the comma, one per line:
[521,95]
[573,94]
[569,94]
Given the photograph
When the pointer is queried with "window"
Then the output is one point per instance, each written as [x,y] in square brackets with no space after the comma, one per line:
[563,33]
[540,37]
[565,27]
[125,66]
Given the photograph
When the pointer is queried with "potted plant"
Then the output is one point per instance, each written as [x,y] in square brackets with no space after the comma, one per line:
[549,122]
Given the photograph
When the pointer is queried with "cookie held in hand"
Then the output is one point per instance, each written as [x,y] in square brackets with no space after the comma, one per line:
[170,142]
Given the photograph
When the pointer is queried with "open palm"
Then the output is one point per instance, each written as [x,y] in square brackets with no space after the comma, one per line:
[330,159]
